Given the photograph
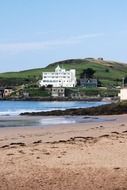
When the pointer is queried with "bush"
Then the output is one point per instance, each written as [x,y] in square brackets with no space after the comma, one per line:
[37,92]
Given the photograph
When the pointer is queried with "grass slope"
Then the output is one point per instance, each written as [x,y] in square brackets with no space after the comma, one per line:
[105,71]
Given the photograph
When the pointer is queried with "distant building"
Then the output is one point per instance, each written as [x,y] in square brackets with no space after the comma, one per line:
[123,94]
[4,92]
[8,92]
[88,83]
[100,58]
[58,92]
[59,78]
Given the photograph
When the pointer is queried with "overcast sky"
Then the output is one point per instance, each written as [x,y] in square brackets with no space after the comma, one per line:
[35,33]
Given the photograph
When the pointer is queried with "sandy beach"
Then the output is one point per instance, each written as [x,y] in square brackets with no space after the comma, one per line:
[80,156]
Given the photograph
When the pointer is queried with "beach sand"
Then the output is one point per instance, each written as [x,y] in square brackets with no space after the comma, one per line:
[84,156]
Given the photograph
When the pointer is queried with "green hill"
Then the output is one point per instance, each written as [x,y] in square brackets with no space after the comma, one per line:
[109,73]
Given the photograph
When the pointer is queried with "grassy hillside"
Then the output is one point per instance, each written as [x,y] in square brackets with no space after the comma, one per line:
[108,72]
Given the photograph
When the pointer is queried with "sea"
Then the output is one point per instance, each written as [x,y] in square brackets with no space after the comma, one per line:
[10,113]
[18,107]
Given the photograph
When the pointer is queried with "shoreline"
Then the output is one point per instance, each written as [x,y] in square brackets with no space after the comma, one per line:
[52,99]
[18,107]
[106,123]
[117,108]
[47,121]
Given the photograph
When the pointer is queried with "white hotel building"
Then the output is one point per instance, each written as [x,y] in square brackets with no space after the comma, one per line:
[59,78]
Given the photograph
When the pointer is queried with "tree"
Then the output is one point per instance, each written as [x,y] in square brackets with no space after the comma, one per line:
[99,84]
[107,70]
[88,73]
[125,80]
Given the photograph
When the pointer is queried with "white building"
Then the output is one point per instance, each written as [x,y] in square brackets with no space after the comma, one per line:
[58,92]
[123,94]
[59,78]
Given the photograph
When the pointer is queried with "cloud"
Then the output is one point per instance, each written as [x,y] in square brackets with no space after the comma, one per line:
[86,36]
[43,45]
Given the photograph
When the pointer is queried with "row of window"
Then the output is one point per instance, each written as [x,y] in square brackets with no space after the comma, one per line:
[55,81]
[56,77]
[57,73]
[58,90]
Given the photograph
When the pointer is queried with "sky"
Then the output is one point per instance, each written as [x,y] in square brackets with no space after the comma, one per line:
[35,33]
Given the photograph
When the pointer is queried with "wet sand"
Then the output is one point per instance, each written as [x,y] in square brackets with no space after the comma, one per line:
[81,156]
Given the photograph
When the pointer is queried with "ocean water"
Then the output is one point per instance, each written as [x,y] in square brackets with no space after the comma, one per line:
[10,111]
[13,108]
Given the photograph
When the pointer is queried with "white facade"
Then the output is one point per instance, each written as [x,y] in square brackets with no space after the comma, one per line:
[123,94]
[58,92]
[59,78]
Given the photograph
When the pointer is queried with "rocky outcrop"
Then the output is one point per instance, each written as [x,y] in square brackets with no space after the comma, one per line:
[110,109]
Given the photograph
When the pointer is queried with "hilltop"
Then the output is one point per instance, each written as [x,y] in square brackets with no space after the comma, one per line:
[108,72]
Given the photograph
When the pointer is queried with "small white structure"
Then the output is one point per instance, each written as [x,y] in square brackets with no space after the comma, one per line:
[59,78]
[123,94]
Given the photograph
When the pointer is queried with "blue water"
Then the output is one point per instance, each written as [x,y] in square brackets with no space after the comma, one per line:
[17,107]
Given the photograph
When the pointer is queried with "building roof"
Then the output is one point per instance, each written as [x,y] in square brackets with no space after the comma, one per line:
[57,68]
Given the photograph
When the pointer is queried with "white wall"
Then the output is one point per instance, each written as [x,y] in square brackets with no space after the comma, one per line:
[123,94]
